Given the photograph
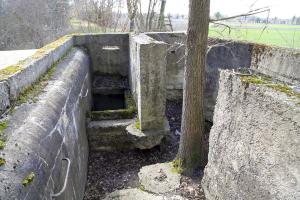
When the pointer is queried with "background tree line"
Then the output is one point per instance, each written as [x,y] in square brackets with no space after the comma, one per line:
[26,24]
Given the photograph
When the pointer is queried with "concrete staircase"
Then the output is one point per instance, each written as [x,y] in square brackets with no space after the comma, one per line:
[118,129]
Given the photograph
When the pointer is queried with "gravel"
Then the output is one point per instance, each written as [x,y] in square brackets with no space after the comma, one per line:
[110,171]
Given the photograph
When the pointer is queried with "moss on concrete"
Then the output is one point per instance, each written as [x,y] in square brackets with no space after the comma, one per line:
[2,161]
[31,93]
[3,126]
[177,166]
[127,113]
[28,179]
[2,144]
[10,70]
[267,81]
[138,124]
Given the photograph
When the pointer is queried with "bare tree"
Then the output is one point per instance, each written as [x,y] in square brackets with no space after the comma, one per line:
[161,19]
[191,149]
[32,23]
[132,8]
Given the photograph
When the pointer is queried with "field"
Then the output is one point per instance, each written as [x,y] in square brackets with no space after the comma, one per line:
[278,35]
[270,34]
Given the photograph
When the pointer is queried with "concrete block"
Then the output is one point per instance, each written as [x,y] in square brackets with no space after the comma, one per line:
[148,65]
[254,143]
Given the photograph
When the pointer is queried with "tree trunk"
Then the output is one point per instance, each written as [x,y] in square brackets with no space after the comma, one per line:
[161,19]
[131,25]
[191,148]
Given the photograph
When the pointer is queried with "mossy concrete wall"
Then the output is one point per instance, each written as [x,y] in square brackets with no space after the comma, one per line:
[41,133]
[282,63]
[29,70]
[254,143]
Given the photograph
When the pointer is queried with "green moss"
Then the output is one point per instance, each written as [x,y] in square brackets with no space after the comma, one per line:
[267,81]
[127,113]
[2,161]
[10,70]
[177,166]
[51,46]
[3,126]
[32,92]
[28,179]
[253,80]
[142,187]
[2,144]
[113,114]
[138,124]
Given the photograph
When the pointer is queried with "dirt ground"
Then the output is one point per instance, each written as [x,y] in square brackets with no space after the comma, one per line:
[110,171]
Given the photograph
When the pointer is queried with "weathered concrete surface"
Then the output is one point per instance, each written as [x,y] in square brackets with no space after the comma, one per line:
[148,72]
[159,178]
[109,135]
[35,68]
[4,96]
[121,134]
[175,62]
[149,138]
[254,143]
[8,58]
[221,55]
[41,134]
[137,194]
[281,63]
[109,52]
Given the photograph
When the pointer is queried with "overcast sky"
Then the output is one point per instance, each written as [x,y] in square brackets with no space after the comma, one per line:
[279,8]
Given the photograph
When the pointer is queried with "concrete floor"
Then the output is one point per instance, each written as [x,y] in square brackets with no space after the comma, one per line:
[8,58]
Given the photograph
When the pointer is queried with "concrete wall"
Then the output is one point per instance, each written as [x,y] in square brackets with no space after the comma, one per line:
[254,143]
[40,134]
[221,55]
[32,69]
[175,62]
[282,63]
[109,52]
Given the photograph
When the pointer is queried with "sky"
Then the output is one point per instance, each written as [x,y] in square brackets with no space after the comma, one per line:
[284,9]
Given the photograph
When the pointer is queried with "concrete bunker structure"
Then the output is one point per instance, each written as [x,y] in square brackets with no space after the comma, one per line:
[102,92]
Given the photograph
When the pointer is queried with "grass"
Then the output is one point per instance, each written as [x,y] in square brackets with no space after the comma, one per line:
[82,26]
[278,35]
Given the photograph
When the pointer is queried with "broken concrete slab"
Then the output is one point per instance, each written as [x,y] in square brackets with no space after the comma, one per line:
[138,194]
[119,134]
[254,143]
[109,134]
[159,178]
[147,139]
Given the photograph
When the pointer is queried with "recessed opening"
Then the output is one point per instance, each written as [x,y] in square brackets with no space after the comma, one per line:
[111,48]
[108,102]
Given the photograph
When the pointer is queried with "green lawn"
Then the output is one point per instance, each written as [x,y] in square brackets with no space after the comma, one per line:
[278,35]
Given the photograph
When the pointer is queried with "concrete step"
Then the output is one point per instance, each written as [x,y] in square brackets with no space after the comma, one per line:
[120,134]
[109,84]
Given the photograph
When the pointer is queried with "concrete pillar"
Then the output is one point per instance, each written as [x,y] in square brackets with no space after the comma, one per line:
[148,61]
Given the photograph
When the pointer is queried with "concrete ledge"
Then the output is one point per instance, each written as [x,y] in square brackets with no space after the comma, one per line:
[29,70]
